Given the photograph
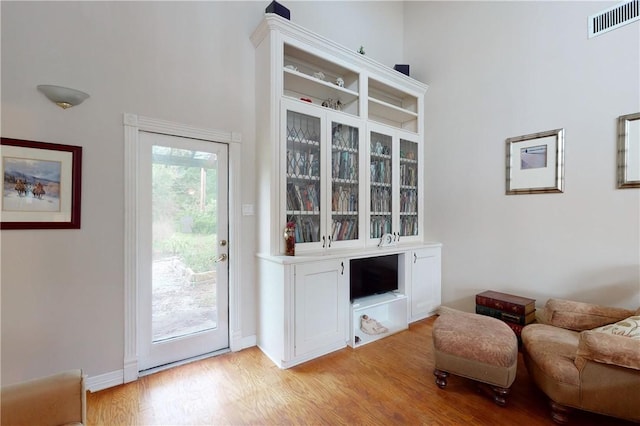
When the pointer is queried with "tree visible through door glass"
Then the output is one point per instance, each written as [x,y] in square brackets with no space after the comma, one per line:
[184,211]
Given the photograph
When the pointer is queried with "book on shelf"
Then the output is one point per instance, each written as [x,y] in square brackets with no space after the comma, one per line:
[506,302]
[344,230]
[507,316]
[304,198]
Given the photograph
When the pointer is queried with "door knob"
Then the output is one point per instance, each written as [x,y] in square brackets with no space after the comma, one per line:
[221,258]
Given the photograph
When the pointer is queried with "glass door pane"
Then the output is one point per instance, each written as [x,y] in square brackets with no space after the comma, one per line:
[344,182]
[303,176]
[408,188]
[184,240]
[381,184]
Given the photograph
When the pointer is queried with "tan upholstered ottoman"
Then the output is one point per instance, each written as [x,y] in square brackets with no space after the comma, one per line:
[475,346]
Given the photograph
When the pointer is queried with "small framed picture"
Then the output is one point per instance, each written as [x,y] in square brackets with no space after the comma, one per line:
[41,185]
[629,151]
[535,163]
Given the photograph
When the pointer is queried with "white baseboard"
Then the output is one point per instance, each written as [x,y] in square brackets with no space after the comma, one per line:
[249,341]
[115,378]
[130,370]
[103,381]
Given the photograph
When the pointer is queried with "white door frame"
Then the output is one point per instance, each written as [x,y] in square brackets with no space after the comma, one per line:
[133,124]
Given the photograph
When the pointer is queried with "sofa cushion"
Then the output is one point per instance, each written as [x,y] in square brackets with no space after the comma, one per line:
[553,350]
[580,316]
[608,349]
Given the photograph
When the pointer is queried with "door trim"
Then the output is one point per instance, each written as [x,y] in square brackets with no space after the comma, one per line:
[133,124]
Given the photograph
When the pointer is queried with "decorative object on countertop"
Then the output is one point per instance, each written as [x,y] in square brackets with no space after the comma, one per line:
[339,82]
[371,326]
[290,238]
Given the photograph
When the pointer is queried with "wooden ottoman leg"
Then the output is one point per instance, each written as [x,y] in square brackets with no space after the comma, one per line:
[559,413]
[441,378]
[500,395]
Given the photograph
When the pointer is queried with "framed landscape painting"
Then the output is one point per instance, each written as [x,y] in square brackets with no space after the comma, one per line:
[41,185]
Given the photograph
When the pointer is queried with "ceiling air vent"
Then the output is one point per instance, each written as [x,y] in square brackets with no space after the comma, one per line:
[614,17]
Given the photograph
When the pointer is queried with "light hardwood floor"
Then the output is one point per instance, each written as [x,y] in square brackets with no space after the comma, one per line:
[388,382]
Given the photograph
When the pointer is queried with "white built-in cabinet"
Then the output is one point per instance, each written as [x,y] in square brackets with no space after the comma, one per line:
[340,145]
[340,138]
[321,295]
[425,282]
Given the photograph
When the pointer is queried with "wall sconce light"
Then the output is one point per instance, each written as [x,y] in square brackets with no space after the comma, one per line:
[63,96]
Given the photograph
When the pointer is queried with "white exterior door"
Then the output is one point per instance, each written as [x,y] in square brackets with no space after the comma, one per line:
[182,224]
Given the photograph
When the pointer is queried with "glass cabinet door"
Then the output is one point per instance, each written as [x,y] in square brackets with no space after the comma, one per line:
[303,175]
[345,182]
[408,188]
[381,209]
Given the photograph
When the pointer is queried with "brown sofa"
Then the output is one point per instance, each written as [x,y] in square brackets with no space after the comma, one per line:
[585,356]
[55,400]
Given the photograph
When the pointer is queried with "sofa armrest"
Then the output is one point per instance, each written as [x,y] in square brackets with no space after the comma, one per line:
[608,349]
[54,400]
[579,316]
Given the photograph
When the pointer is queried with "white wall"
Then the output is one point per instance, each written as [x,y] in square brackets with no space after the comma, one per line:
[495,70]
[503,69]
[191,63]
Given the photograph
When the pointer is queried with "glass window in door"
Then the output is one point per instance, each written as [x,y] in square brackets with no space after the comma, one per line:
[344,182]
[303,176]
[381,185]
[408,188]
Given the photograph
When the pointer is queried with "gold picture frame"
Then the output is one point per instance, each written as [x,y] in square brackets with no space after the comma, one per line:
[629,151]
[535,163]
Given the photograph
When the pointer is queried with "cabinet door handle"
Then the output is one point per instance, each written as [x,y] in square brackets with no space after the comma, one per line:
[329,238]
[415,257]
[323,241]
[342,266]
